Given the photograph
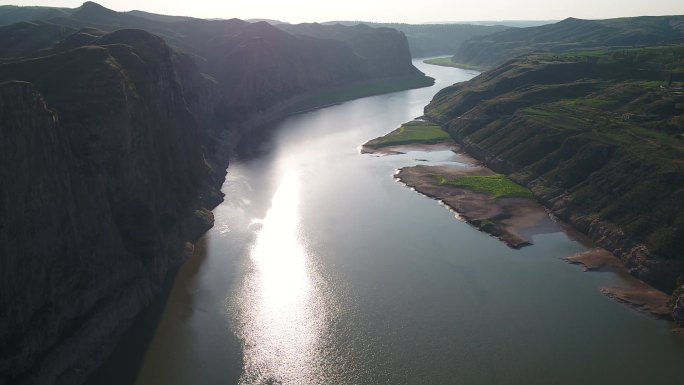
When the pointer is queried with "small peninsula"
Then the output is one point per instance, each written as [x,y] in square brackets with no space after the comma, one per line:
[416,135]
[488,201]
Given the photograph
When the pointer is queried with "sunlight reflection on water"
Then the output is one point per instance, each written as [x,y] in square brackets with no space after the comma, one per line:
[283,313]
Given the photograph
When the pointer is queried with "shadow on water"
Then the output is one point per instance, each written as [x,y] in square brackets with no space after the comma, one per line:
[124,364]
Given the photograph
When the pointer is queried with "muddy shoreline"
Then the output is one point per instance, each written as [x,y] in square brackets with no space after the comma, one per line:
[637,294]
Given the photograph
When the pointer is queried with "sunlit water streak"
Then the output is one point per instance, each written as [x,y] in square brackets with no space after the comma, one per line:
[281,314]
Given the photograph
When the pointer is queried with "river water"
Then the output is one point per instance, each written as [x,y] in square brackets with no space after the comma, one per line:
[321,269]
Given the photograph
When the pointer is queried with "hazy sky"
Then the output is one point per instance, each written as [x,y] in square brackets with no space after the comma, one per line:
[413,11]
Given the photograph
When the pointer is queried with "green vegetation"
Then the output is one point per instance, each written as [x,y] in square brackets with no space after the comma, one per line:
[416,132]
[447,62]
[657,57]
[498,186]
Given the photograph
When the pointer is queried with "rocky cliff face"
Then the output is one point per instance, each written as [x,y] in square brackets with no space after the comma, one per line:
[104,181]
[597,138]
[382,51]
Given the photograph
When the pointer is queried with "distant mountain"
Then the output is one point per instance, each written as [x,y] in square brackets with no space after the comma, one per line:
[509,23]
[426,40]
[369,43]
[157,17]
[27,37]
[10,14]
[269,21]
[571,34]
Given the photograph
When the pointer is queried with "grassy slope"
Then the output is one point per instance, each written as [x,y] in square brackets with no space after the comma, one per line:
[498,186]
[411,133]
[596,125]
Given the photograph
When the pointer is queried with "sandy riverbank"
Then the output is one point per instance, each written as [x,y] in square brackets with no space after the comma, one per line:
[512,220]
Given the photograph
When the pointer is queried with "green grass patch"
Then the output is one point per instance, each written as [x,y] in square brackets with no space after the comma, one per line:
[447,62]
[415,132]
[498,186]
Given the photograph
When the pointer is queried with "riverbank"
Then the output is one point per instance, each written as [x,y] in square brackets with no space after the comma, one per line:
[335,95]
[488,201]
[411,136]
[637,294]
[447,62]
[513,220]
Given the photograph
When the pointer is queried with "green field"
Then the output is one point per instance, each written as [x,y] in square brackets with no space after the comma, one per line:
[498,186]
[446,62]
[416,132]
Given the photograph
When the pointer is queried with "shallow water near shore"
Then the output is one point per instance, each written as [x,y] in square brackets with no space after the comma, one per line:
[322,269]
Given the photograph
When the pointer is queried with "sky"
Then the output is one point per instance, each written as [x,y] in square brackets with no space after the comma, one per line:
[414,11]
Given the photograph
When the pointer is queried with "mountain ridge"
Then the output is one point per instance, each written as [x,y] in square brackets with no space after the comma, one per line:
[571,34]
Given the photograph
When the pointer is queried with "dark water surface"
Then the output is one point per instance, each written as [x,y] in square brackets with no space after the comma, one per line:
[322,269]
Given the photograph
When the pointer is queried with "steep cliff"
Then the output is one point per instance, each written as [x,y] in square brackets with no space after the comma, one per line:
[597,136]
[104,181]
[383,52]
[427,40]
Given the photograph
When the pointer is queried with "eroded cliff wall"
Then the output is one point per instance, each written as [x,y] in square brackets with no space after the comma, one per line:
[103,181]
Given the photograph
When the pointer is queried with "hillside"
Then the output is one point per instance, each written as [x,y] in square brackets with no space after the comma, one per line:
[598,136]
[27,37]
[571,34]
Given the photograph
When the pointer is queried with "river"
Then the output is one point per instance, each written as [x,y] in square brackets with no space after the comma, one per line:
[321,269]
